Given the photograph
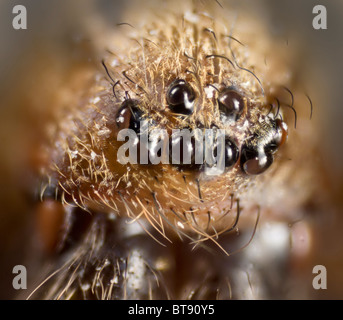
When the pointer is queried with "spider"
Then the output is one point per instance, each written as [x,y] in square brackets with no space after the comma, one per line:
[166,214]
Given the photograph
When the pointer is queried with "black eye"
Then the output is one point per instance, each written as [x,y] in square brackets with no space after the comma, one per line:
[231,152]
[255,161]
[129,115]
[180,97]
[231,104]
[278,136]
[182,151]
[257,152]
[219,157]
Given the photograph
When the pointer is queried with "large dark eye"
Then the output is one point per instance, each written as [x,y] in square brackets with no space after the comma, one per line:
[231,104]
[255,161]
[180,97]
[257,152]
[129,115]
[231,152]
[182,151]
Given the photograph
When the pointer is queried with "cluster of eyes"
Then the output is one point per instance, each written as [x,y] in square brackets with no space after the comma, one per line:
[209,150]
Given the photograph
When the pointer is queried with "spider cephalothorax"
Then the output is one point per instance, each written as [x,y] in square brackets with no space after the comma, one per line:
[184,78]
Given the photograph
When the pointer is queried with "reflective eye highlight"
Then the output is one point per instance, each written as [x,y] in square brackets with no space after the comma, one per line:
[129,116]
[279,137]
[182,151]
[231,104]
[180,97]
[231,153]
[255,161]
[257,151]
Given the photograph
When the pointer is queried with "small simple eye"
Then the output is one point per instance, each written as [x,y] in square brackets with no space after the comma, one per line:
[180,97]
[129,115]
[278,136]
[231,104]
[255,161]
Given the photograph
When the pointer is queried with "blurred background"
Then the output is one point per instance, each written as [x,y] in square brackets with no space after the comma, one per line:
[57,26]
